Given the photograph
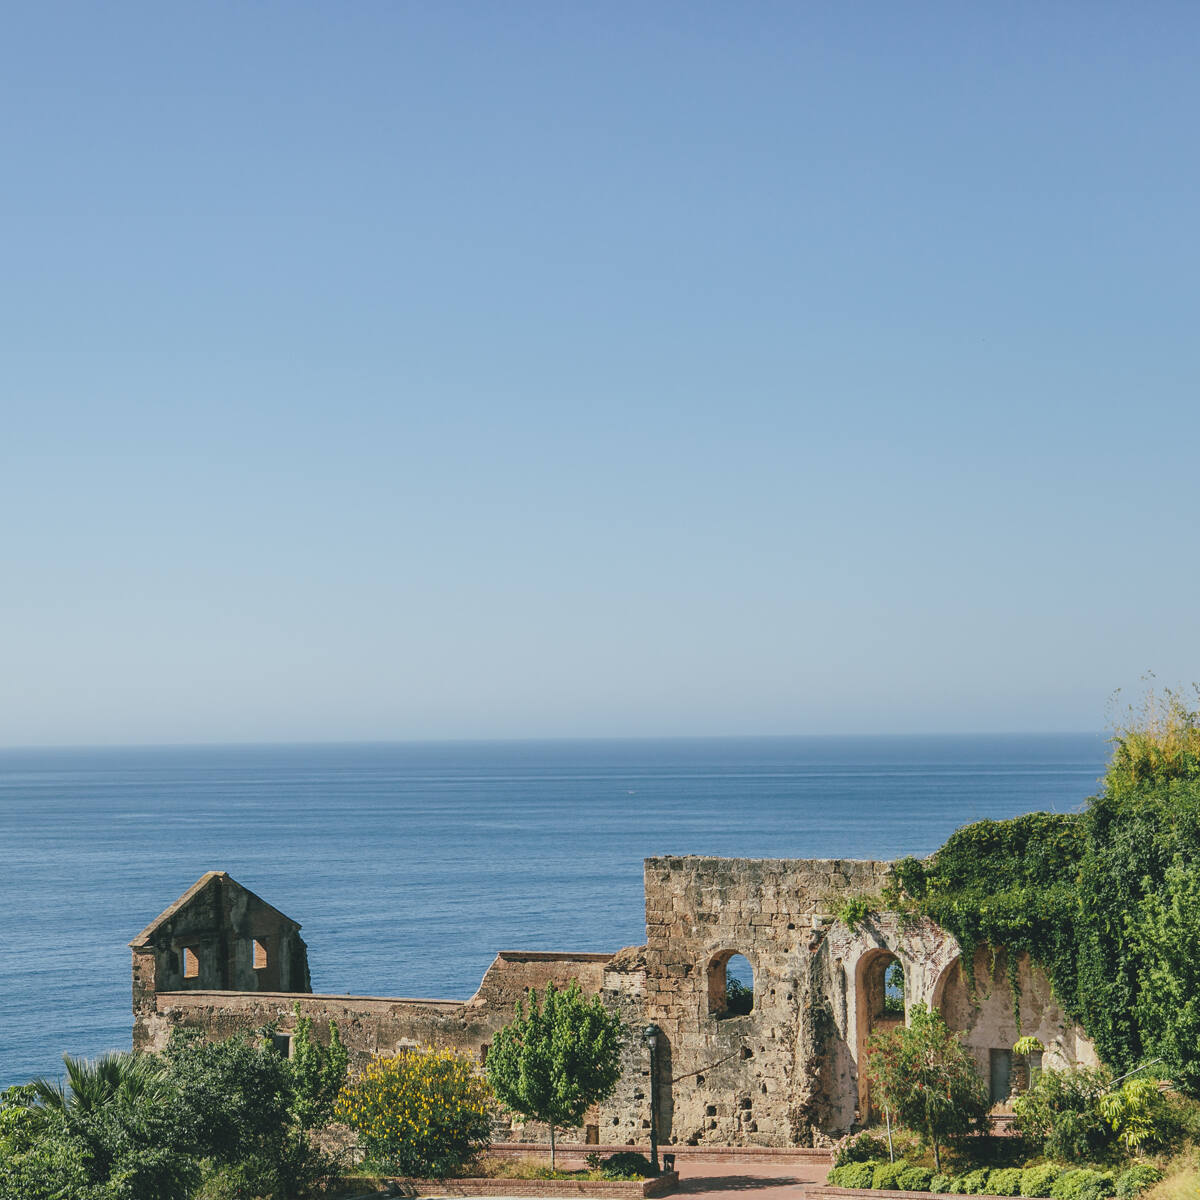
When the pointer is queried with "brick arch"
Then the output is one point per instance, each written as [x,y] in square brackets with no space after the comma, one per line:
[870,1018]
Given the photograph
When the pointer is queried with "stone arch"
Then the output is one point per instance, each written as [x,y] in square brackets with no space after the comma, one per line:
[718,978]
[938,999]
[871,1012]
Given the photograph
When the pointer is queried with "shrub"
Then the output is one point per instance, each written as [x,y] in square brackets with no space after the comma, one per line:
[858,1147]
[1037,1181]
[424,1112]
[625,1164]
[1005,1182]
[1082,1183]
[1061,1114]
[854,910]
[887,1174]
[853,1175]
[916,1179]
[973,1183]
[940,1182]
[1135,1180]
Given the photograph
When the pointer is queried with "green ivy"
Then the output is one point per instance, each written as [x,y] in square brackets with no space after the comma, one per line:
[1104,901]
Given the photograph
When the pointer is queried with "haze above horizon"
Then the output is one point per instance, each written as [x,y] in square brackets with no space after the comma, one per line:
[446,371]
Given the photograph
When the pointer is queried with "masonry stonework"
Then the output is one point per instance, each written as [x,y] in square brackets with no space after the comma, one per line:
[785,1073]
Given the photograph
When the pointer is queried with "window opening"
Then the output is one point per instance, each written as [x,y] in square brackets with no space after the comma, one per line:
[1001,1075]
[893,989]
[730,985]
[260,955]
[191,964]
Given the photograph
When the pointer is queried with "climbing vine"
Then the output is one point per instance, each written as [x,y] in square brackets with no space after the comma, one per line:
[1084,895]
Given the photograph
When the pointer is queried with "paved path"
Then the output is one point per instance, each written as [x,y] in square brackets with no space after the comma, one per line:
[762,1176]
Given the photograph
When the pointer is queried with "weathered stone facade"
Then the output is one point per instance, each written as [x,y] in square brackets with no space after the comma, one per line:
[785,1073]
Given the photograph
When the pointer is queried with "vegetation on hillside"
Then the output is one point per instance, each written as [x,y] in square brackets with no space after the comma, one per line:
[1106,901]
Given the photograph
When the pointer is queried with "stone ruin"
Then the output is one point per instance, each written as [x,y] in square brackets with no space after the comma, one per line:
[785,1073]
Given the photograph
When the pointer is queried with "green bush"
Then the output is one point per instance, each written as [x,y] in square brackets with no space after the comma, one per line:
[1037,1181]
[625,1164]
[1135,1180]
[916,1179]
[853,1175]
[858,1147]
[887,1174]
[1005,1182]
[973,1183]
[1061,1114]
[940,1182]
[1083,1183]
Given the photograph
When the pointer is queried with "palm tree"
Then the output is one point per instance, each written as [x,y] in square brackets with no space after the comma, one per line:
[93,1084]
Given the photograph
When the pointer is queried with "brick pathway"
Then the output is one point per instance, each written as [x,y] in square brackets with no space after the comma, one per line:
[763,1177]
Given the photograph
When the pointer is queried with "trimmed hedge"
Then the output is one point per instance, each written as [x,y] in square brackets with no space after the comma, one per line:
[1037,1181]
[1083,1183]
[1006,1181]
[916,1179]
[853,1175]
[887,1174]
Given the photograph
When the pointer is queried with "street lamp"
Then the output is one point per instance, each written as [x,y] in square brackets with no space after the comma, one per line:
[650,1036]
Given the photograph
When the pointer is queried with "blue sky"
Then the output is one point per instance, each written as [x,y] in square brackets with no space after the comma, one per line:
[386,370]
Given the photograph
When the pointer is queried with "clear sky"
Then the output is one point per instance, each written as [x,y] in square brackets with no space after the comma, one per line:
[400,370]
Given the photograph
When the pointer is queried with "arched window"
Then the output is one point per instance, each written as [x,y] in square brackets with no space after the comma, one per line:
[893,989]
[730,985]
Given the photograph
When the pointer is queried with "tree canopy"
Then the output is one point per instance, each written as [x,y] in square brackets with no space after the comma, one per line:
[928,1079]
[554,1061]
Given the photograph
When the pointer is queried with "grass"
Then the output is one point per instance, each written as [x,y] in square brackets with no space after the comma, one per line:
[1182,1181]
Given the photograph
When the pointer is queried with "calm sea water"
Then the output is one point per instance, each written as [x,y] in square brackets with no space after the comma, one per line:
[409,866]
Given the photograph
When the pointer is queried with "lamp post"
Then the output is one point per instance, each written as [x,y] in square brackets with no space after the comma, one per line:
[650,1035]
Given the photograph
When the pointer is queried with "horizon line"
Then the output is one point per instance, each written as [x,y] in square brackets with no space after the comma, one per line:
[534,740]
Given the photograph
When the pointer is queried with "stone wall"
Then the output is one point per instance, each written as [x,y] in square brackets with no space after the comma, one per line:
[372,1025]
[735,1080]
[786,1073]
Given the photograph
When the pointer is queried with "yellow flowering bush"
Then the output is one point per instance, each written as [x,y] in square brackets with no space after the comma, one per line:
[422,1112]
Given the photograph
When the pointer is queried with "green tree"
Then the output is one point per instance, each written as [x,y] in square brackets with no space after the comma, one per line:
[555,1061]
[235,1105]
[927,1077]
[318,1073]
[94,1084]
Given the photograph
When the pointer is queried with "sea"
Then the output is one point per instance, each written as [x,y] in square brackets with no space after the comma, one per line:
[410,865]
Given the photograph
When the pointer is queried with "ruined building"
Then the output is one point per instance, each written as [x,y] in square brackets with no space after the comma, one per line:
[784,1073]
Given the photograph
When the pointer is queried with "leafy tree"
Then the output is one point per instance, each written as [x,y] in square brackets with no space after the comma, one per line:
[39,1159]
[555,1061]
[235,1105]
[928,1078]
[113,1124]
[318,1074]
[422,1112]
